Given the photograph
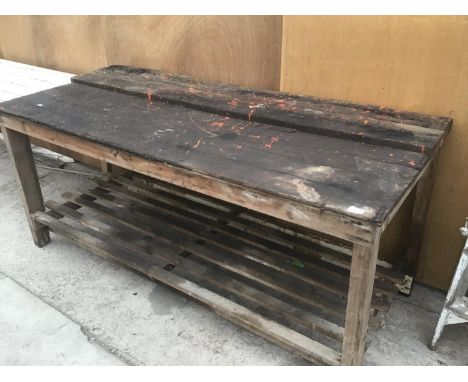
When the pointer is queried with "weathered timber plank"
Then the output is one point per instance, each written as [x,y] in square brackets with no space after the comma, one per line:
[149,266]
[270,279]
[418,220]
[196,225]
[276,241]
[188,139]
[189,269]
[296,283]
[19,150]
[367,123]
[340,226]
[279,231]
[361,283]
[310,275]
[260,249]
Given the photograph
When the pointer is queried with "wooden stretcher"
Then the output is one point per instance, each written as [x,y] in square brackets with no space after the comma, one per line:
[266,207]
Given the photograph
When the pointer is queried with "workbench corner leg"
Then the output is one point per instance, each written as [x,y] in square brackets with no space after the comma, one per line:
[361,283]
[422,199]
[19,149]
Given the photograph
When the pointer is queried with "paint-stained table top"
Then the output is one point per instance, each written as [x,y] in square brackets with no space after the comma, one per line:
[355,160]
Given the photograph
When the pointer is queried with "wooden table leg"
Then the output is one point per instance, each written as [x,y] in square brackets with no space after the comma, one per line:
[419,216]
[105,167]
[19,148]
[361,283]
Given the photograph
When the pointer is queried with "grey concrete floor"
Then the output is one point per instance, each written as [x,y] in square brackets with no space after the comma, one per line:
[62,305]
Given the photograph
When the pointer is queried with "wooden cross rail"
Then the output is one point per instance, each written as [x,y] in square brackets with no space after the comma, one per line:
[330,169]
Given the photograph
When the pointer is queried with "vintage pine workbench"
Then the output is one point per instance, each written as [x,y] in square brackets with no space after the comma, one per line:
[267,207]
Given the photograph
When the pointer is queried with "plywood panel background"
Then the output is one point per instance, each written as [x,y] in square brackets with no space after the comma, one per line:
[239,49]
[413,63]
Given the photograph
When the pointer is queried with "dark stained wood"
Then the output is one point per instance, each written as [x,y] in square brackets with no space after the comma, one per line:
[284,209]
[19,149]
[155,267]
[199,230]
[215,226]
[188,267]
[365,123]
[303,293]
[418,220]
[336,164]
[244,224]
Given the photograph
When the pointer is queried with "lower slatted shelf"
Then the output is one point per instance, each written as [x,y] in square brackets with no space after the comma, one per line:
[278,281]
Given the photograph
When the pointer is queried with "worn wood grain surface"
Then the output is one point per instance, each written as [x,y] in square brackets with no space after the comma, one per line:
[326,160]
[245,50]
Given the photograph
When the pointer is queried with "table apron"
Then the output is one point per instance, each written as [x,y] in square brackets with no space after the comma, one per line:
[323,221]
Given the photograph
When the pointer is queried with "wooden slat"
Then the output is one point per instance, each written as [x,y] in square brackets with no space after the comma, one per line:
[199,227]
[155,226]
[245,222]
[197,272]
[310,275]
[280,258]
[188,235]
[326,222]
[152,267]
[205,226]
[363,122]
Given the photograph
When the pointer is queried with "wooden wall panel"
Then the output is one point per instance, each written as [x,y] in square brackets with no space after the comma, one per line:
[239,49]
[406,62]
[245,50]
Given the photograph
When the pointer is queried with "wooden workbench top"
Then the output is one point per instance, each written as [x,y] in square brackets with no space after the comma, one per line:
[355,160]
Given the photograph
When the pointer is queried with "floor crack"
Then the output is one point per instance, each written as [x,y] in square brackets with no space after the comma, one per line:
[127,359]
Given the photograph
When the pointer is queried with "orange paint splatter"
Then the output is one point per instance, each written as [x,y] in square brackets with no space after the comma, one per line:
[150,97]
[272,140]
[250,114]
[217,124]
[412,163]
[281,104]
